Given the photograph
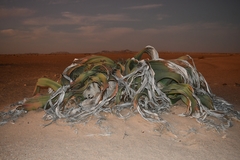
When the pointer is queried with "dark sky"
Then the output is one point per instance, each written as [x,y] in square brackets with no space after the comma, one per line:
[45,26]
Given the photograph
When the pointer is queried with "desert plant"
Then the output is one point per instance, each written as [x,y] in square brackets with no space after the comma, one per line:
[97,84]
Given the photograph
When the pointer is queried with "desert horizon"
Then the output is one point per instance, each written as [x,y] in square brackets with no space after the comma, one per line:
[115,52]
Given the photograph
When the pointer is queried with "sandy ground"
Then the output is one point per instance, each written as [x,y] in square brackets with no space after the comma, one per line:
[115,138]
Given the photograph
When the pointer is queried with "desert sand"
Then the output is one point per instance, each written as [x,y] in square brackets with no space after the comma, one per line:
[114,138]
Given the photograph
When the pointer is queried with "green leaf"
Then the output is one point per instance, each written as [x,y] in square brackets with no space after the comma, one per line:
[185,92]
[46,83]
[164,74]
[206,100]
[35,102]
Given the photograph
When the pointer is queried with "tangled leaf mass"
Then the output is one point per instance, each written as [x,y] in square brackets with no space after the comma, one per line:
[96,84]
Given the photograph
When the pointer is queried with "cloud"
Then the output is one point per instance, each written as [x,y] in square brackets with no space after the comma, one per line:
[115,32]
[58,1]
[99,17]
[148,6]
[177,28]
[69,18]
[7,32]
[15,12]
[88,29]
[48,21]
[161,16]
[28,34]
[95,37]
[100,34]
[111,17]
[53,2]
